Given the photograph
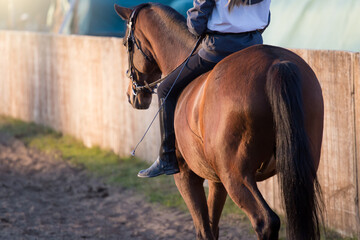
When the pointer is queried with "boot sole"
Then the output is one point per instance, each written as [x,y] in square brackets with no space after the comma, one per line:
[166,173]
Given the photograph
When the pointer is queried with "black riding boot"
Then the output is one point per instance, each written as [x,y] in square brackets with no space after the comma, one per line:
[166,163]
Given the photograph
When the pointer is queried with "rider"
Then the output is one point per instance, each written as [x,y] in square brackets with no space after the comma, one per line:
[228,26]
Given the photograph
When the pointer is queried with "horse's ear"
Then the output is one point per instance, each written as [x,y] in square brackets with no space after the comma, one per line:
[123,12]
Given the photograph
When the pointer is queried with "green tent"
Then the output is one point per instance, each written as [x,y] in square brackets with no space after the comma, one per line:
[97,17]
[315,24]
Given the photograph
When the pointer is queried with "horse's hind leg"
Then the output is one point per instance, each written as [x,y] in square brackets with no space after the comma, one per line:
[244,192]
[191,189]
[216,201]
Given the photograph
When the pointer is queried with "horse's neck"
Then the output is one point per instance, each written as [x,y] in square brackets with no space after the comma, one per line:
[170,46]
[172,55]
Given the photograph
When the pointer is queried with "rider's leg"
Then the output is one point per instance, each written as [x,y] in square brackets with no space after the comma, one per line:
[166,163]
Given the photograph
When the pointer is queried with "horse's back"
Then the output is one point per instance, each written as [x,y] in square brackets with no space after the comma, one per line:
[227,113]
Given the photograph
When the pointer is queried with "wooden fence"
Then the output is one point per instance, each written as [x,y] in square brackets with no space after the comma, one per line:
[77,85]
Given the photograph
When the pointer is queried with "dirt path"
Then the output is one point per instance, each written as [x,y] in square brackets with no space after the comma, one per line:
[43,197]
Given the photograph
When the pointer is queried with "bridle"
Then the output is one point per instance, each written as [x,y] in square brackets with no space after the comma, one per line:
[130,42]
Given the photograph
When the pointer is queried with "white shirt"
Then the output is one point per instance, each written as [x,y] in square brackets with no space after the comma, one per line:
[243,18]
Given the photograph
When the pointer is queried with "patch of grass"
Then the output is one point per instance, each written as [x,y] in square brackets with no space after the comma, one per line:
[102,163]
[112,168]
[331,234]
[23,130]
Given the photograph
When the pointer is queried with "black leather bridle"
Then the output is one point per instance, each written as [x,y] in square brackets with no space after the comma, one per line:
[130,42]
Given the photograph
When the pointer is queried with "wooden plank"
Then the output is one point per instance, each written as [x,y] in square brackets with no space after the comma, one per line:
[336,172]
[4,71]
[357,124]
[271,192]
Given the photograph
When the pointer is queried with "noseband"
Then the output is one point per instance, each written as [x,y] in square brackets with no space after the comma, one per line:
[131,41]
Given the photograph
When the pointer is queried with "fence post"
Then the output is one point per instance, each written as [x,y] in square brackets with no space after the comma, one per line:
[357,135]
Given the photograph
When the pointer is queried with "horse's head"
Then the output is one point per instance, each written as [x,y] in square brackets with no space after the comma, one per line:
[143,69]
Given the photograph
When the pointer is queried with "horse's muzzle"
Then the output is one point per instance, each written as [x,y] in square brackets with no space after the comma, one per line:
[135,102]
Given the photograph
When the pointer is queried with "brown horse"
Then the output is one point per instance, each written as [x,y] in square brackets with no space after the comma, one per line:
[257,113]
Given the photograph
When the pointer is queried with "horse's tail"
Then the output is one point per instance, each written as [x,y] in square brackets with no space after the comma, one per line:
[294,161]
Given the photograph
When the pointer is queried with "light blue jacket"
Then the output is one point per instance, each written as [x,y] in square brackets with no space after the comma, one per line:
[217,45]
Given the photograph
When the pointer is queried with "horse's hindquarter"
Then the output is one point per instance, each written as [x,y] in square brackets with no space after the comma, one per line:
[224,119]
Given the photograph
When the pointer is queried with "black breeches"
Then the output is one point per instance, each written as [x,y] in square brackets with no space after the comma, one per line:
[194,68]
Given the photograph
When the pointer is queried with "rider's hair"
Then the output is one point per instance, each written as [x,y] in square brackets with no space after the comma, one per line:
[233,3]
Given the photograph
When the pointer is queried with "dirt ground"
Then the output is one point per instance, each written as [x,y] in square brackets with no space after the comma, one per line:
[43,197]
